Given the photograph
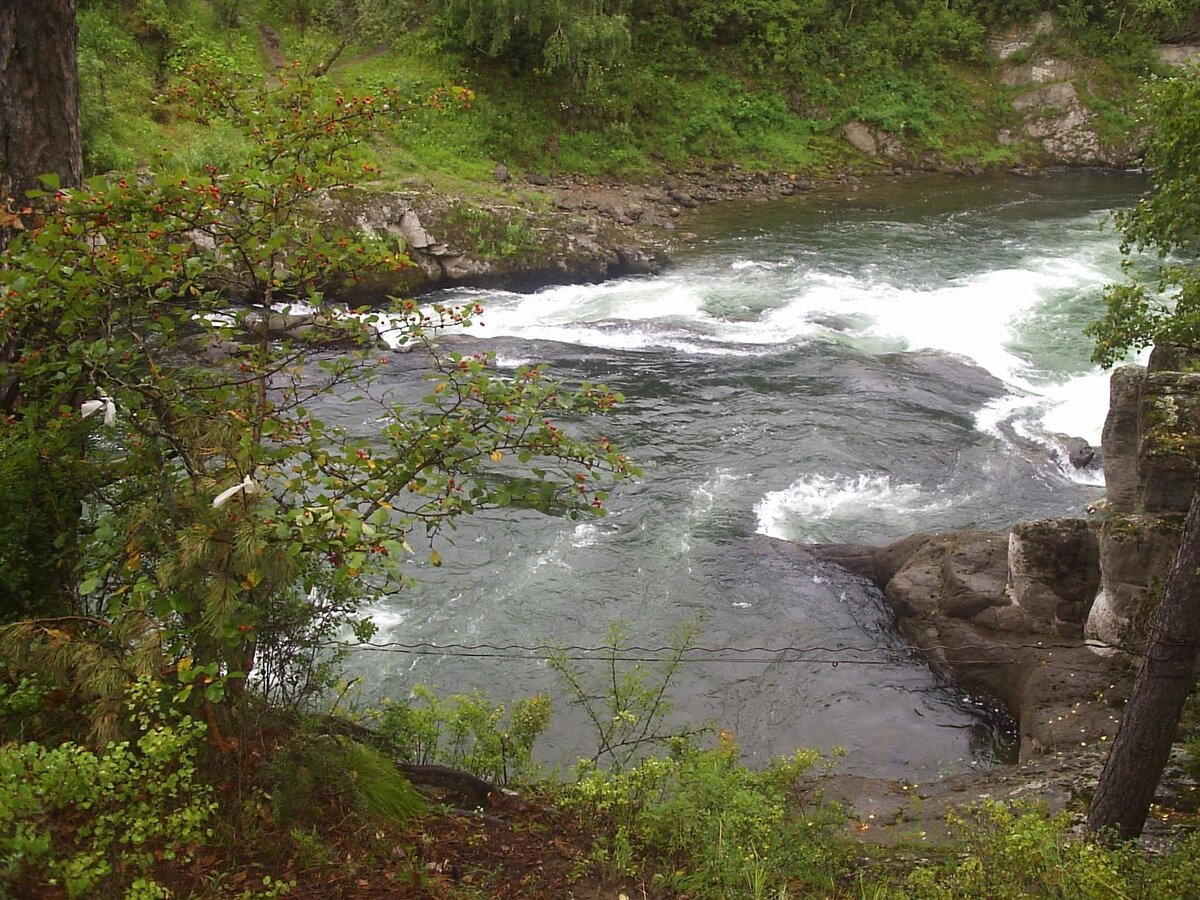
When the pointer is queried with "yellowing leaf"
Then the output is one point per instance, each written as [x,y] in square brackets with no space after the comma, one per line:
[496,456]
[435,558]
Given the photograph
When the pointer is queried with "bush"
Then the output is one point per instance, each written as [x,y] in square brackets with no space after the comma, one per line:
[1024,853]
[465,731]
[98,822]
[711,826]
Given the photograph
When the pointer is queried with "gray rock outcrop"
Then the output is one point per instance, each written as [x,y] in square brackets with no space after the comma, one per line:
[449,243]
[1054,101]
[1151,446]
[1136,552]
[1053,573]
[1047,617]
[1004,614]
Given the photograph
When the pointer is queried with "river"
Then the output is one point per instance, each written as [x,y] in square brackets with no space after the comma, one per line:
[846,366]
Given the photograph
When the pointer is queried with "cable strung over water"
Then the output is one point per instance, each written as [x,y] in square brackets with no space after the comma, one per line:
[829,655]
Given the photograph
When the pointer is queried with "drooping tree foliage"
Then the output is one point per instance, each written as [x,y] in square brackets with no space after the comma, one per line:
[577,39]
[1164,308]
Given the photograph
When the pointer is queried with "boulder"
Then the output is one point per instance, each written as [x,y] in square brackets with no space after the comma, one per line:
[1135,553]
[1178,54]
[859,136]
[413,232]
[1079,453]
[1169,448]
[1120,440]
[956,574]
[1054,572]
[874,141]
[276,322]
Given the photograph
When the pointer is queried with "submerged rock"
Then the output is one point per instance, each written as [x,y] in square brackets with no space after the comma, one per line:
[1079,453]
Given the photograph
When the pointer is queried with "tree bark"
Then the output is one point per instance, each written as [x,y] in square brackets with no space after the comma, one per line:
[39,95]
[39,118]
[1166,677]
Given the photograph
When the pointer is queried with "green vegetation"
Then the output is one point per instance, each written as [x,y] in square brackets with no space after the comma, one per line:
[1164,307]
[1023,853]
[464,731]
[699,823]
[212,541]
[604,87]
[115,810]
[186,548]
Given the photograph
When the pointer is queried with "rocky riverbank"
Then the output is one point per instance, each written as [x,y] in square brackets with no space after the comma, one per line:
[529,229]
[1048,618]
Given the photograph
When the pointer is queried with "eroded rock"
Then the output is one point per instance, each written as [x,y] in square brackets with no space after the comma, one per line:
[1169,448]
[1054,572]
[1058,119]
[1121,439]
[1135,554]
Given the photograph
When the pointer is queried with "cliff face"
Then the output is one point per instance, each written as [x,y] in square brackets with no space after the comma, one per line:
[1151,445]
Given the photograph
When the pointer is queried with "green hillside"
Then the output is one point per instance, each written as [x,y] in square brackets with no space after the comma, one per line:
[613,88]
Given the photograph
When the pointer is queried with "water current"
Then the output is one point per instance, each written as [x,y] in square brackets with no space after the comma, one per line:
[848,366]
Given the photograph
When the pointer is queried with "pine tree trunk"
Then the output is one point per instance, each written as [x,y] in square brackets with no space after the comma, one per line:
[1166,677]
[39,95]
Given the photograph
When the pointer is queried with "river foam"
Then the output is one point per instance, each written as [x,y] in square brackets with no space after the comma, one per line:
[819,508]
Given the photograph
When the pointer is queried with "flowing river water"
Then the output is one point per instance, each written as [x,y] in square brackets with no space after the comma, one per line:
[846,366]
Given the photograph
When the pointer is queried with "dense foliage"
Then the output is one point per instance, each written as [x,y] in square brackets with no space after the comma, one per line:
[1164,306]
[609,86]
[179,516]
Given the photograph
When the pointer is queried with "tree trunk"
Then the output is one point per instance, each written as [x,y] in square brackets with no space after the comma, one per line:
[39,95]
[1166,677]
[39,117]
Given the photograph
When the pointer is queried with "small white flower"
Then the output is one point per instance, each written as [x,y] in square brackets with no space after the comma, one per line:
[246,486]
[90,407]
